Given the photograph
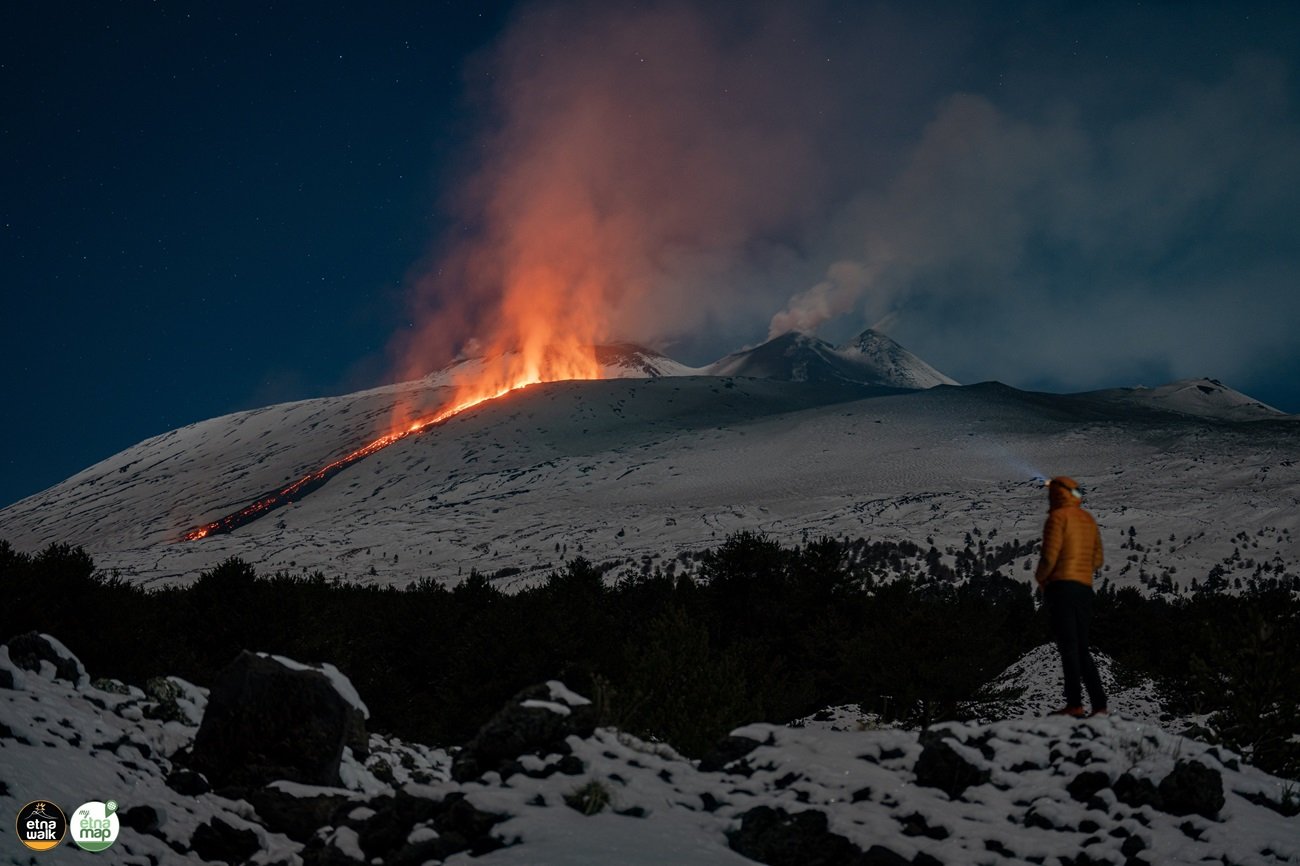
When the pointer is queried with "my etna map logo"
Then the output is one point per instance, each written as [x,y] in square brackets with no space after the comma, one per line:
[41,825]
[95,825]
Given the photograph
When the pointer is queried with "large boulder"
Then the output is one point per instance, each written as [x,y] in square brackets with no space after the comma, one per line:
[536,721]
[1192,788]
[28,651]
[269,719]
[942,765]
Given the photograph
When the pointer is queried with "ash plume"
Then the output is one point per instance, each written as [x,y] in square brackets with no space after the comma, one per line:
[692,177]
[650,172]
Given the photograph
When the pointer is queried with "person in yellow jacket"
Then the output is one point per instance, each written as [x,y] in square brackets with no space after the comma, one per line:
[1071,554]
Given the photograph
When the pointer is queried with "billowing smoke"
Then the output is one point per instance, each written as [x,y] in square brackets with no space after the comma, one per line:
[646,163]
[840,293]
[681,174]
[1161,244]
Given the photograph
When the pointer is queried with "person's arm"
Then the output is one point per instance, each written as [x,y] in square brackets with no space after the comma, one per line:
[1053,536]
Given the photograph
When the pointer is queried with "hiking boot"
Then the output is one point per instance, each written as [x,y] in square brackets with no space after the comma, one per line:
[1099,713]
[1074,712]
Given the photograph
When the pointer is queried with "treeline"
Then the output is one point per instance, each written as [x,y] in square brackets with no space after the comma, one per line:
[756,632]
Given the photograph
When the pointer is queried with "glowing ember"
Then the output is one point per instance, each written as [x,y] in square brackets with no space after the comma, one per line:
[495,379]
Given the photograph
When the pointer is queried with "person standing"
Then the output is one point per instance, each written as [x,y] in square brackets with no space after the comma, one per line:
[1071,553]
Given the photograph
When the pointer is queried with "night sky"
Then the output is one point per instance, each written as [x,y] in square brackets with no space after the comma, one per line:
[206,208]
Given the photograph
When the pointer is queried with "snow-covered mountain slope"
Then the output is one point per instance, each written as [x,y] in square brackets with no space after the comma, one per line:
[1049,791]
[1207,398]
[631,470]
[894,365]
[616,360]
[630,361]
[871,359]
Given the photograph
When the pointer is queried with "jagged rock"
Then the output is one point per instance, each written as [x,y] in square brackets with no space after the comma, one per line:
[778,838]
[296,817]
[188,782]
[265,721]
[385,831]
[1034,818]
[1192,789]
[537,721]
[27,651]
[917,825]
[1085,786]
[113,687]
[940,766]
[141,819]
[459,820]
[165,706]
[1136,792]
[726,751]
[329,850]
[217,840]
[1132,846]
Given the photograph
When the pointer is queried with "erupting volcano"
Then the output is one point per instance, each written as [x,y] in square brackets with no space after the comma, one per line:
[495,378]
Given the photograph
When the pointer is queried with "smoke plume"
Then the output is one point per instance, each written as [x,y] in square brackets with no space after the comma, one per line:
[680,174]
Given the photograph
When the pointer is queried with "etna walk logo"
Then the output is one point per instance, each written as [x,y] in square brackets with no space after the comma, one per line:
[41,825]
[94,825]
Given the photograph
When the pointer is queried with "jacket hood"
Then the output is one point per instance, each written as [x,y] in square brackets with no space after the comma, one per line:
[1063,492]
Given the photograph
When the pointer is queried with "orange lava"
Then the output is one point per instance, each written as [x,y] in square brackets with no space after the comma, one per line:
[492,378]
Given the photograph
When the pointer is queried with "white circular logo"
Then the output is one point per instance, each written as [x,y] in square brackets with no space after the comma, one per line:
[93,826]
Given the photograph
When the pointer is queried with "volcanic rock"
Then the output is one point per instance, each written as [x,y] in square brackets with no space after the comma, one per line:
[941,766]
[536,721]
[217,840]
[265,721]
[1192,789]
[778,838]
[27,651]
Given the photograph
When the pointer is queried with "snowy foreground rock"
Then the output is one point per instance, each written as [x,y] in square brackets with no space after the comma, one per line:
[543,784]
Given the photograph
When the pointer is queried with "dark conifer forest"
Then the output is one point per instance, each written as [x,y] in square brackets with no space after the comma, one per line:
[748,631]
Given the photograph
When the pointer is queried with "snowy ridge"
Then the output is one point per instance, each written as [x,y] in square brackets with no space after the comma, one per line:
[616,360]
[630,468]
[1045,791]
[871,359]
[1205,398]
[652,462]
[896,365]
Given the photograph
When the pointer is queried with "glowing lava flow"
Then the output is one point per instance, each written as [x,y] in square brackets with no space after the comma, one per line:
[300,488]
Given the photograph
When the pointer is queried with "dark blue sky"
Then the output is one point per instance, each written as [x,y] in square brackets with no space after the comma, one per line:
[210,207]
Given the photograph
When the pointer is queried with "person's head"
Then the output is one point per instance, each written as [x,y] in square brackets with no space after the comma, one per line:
[1063,490]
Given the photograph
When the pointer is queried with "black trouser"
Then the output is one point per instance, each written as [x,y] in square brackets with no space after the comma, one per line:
[1069,608]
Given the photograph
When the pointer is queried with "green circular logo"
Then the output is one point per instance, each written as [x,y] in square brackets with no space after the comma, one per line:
[94,825]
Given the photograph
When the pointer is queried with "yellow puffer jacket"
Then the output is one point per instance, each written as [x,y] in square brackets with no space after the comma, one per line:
[1071,541]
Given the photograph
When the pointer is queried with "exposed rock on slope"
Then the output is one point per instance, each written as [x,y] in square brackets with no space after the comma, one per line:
[1049,791]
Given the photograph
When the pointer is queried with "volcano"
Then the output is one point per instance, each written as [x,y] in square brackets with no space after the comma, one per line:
[795,438]
[871,359]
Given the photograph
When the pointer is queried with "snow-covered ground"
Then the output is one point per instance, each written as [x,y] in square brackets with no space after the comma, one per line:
[634,471]
[1029,790]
